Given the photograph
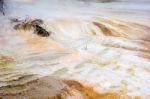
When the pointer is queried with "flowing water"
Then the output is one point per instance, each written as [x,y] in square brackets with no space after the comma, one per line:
[102,45]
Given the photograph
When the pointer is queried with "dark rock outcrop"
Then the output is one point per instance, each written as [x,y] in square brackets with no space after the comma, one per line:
[35,25]
[2,7]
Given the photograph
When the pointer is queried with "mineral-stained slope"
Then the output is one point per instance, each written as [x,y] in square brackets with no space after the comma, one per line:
[76,50]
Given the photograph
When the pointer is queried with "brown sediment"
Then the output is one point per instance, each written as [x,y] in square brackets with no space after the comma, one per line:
[146,45]
[144,55]
[93,32]
[54,88]
[103,28]
[124,29]
[128,48]
[113,31]
[44,88]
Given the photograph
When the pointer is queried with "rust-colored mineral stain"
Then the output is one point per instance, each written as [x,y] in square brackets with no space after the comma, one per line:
[35,43]
[146,45]
[140,50]
[103,28]
[93,32]
[144,55]
[89,93]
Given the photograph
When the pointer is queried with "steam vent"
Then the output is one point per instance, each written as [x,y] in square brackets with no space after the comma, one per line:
[74,49]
